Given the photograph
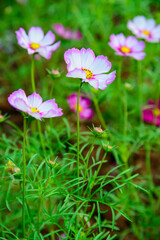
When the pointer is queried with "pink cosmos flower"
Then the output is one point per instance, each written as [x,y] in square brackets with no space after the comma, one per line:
[83,64]
[145,28]
[127,46]
[36,42]
[84,104]
[151,113]
[33,105]
[66,33]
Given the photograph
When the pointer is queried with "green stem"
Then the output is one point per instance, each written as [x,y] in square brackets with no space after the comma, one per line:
[99,114]
[24,176]
[32,74]
[125,115]
[78,130]
[119,92]
[139,89]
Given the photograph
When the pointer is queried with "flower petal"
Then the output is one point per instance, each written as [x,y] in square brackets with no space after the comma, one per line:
[36,115]
[21,105]
[140,21]
[48,39]
[87,58]
[100,65]
[48,105]
[87,113]
[137,55]
[17,94]
[73,59]
[94,83]
[53,113]
[34,100]
[105,79]
[77,73]
[22,38]
[35,34]
[46,52]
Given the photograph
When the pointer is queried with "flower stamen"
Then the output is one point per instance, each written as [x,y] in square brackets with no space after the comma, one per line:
[33,110]
[156,112]
[34,46]
[89,74]
[80,108]
[125,49]
[145,32]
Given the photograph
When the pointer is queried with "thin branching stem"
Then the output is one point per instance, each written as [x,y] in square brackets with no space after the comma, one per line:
[24,175]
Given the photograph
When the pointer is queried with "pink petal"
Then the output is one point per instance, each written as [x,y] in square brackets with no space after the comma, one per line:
[53,113]
[46,52]
[73,59]
[21,105]
[18,94]
[48,39]
[138,55]
[140,21]
[105,79]
[100,65]
[77,73]
[22,38]
[94,83]
[36,115]
[87,113]
[34,100]
[35,34]
[138,47]
[87,58]
[48,105]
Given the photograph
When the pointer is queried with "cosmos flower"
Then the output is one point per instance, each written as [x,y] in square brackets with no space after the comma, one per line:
[36,42]
[151,113]
[33,105]
[127,46]
[66,33]
[84,104]
[83,64]
[145,28]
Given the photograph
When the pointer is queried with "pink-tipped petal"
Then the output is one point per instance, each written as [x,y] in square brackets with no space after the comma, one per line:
[35,34]
[105,79]
[22,38]
[48,39]
[87,58]
[73,59]
[138,47]
[36,115]
[18,94]
[34,100]
[77,73]
[100,65]
[53,113]
[140,21]
[21,105]
[48,105]
[138,55]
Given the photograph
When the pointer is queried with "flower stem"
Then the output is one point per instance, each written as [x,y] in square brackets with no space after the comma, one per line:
[24,176]
[140,88]
[119,93]
[32,74]
[99,112]
[78,130]
[125,115]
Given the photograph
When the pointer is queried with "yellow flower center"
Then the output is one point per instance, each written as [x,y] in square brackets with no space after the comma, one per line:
[34,46]
[156,112]
[125,49]
[146,32]
[8,165]
[33,110]
[89,74]
[80,108]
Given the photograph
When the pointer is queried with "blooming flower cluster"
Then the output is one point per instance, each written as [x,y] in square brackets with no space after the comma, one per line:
[36,42]
[83,64]
[127,46]
[33,106]
[66,33]
[145,28]
[84,104]
[151,113]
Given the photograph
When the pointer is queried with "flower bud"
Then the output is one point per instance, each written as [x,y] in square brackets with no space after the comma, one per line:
[128,86]
[52,164]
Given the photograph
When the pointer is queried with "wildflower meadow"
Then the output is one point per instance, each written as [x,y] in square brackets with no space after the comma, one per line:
[80,120]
